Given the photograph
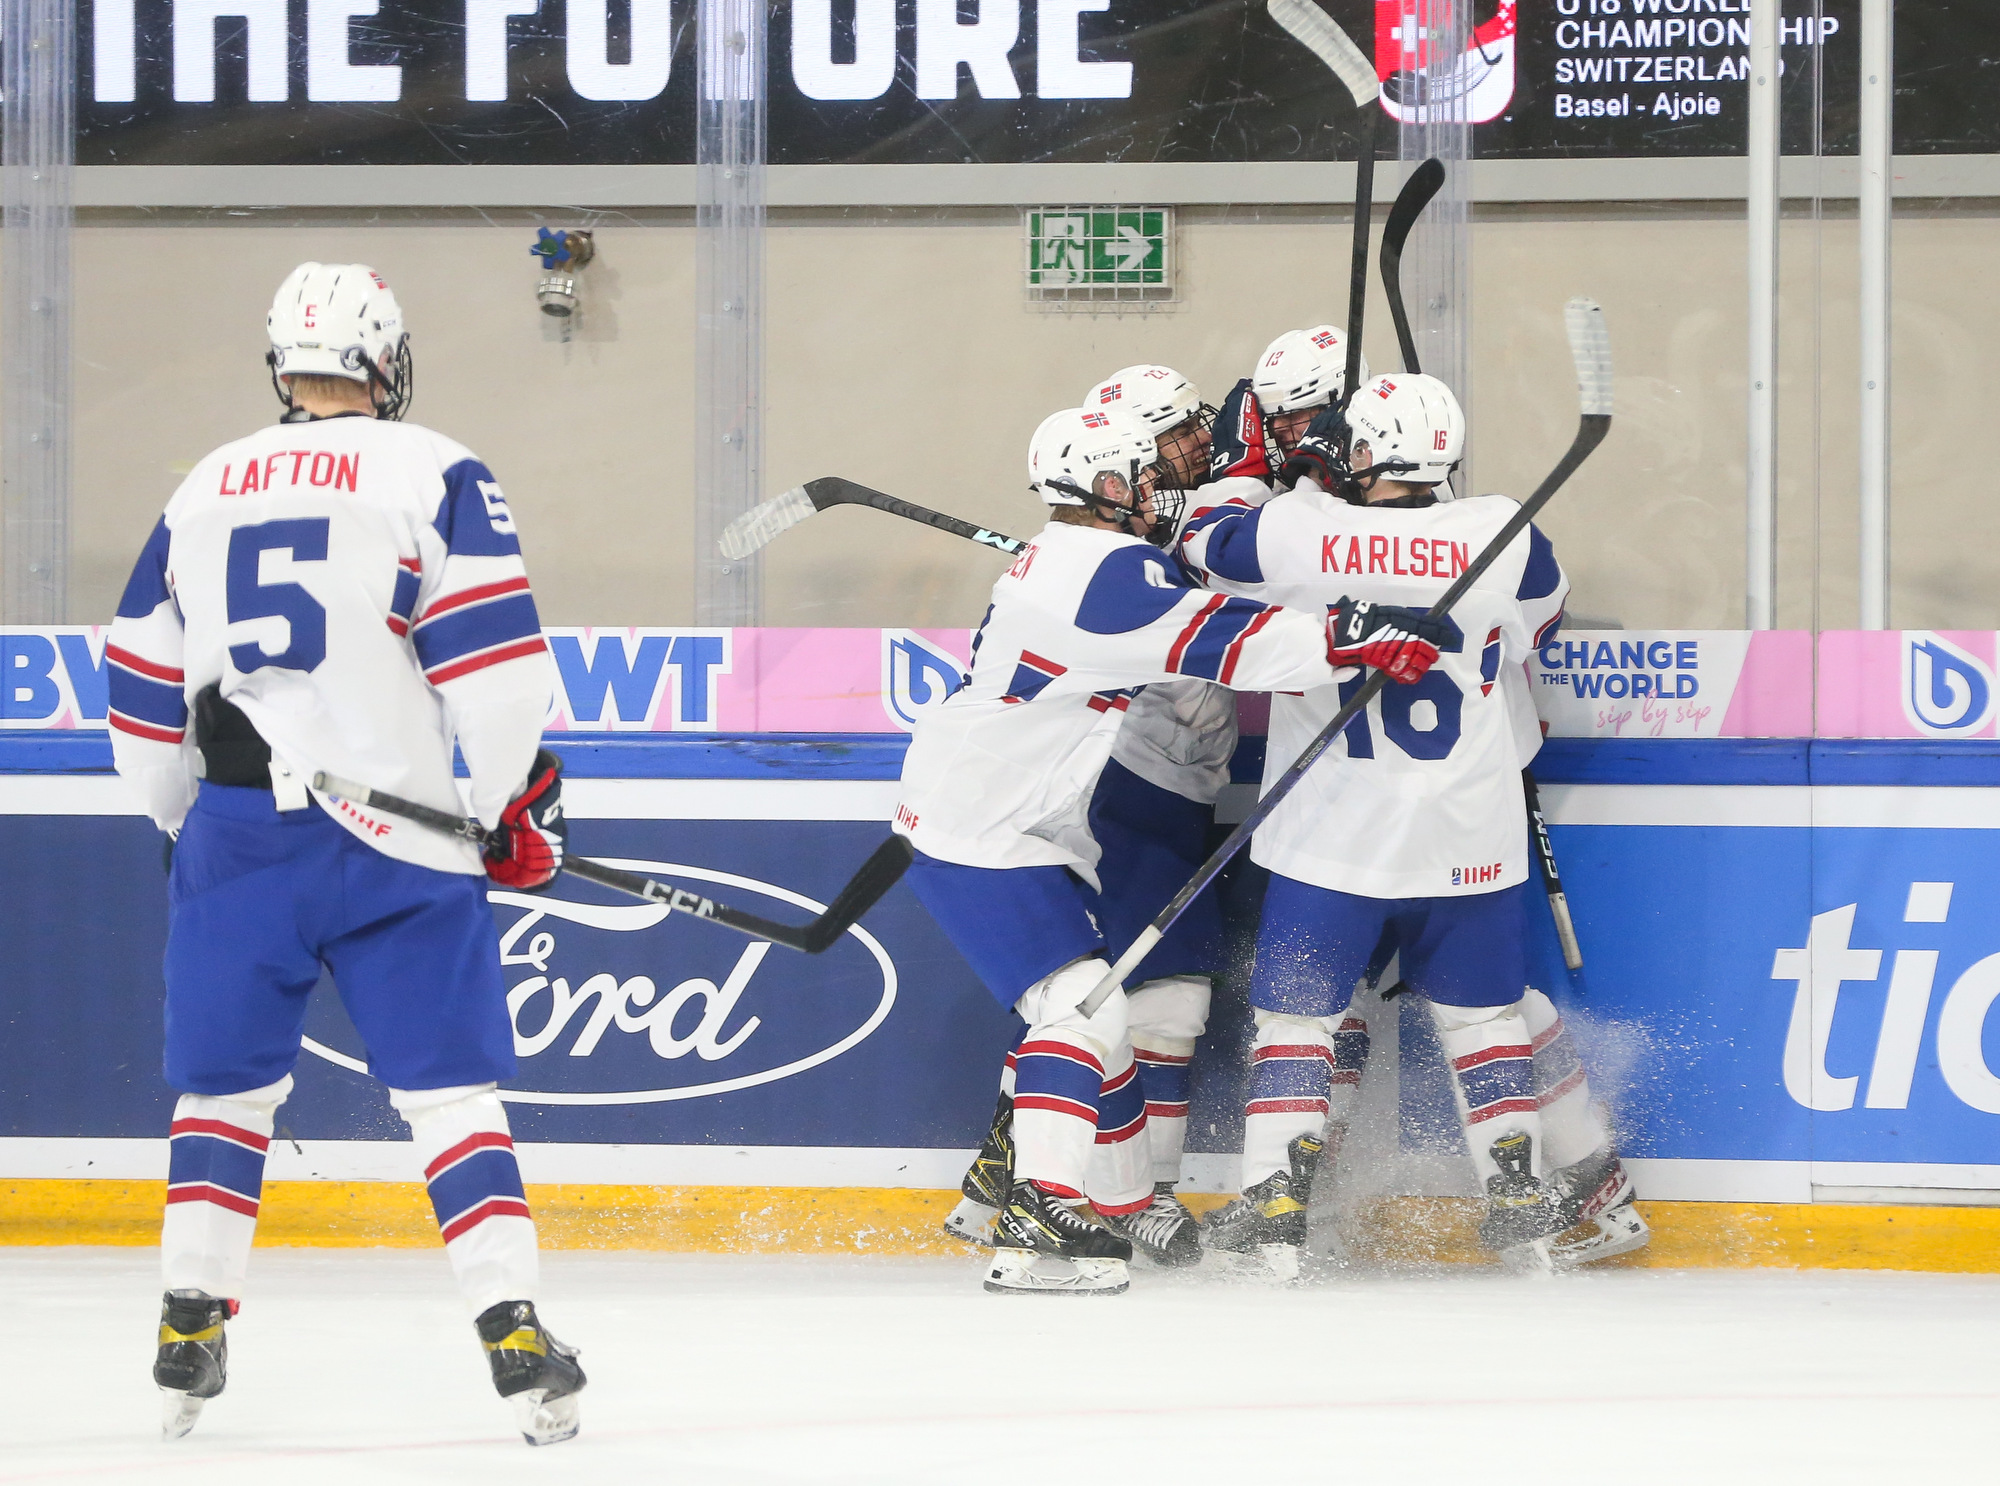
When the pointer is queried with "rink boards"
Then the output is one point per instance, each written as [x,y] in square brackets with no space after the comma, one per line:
[1792,951]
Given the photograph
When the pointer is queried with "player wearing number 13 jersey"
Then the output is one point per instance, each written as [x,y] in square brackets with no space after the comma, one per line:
[339,592]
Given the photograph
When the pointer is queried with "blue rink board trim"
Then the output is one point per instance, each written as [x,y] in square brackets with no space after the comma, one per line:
[879,756]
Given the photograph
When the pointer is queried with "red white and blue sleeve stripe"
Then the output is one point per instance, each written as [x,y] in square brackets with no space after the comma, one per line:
[481,613]
[1210,645]
[144,652]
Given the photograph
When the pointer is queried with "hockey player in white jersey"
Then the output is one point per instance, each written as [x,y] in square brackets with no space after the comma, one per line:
[996,788]
[1413,829]
[339,592]
[1149,815]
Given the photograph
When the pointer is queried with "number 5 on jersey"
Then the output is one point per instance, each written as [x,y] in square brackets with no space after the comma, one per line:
[304,539]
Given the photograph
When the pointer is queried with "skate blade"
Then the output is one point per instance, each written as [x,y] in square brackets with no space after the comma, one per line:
[543,1420]
[1020,1272]
[971,1222]
[1611,1234]
[178,1412]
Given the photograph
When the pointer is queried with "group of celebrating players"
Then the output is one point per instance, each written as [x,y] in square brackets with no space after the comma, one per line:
[1056,802]
[341,595]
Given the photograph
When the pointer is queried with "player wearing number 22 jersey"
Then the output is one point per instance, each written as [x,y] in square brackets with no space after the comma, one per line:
[343,593]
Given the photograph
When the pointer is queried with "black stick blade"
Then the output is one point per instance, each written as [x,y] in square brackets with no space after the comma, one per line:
[1424,184]
[864,890]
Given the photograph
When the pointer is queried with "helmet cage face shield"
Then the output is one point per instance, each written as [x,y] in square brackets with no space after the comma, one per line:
[1184,448]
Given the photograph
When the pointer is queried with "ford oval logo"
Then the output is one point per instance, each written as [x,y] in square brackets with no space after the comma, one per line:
[616,1003]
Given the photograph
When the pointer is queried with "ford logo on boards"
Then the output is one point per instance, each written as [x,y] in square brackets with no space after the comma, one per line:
[620,1003]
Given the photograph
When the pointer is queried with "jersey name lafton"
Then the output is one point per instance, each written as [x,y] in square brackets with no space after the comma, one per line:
[319,467]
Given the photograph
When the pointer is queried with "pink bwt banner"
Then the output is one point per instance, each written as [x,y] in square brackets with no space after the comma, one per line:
[1586,683]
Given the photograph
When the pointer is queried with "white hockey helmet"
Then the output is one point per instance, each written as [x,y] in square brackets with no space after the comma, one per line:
[1303,369]
[1075,448]
[1171,408]
[1158,396]
[1412,425]
[341,320]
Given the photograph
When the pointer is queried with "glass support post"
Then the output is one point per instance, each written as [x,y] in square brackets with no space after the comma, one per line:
[1434,119]
[1762,210]
[730,44]
[37,158]
[1877,219]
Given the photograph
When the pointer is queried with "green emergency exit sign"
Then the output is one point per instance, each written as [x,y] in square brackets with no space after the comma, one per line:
[1085,252]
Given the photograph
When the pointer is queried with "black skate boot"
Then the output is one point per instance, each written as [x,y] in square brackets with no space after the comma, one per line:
[1522,1213]
[987,1181]
[1163,1230]
[193,1361]
[1041,1245]
[1268,1222]
[1595,1199]
[533,1371]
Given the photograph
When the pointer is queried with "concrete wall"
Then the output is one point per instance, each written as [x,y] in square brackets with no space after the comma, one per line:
[903,354]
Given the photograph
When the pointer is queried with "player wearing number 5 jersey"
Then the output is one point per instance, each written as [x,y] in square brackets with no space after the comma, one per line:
[1412,827]
[339,592]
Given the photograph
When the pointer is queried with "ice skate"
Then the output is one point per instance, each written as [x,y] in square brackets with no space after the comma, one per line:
[1522,1212]
[533,1371]
[193,1362]
[1264,1230]
[1043,1246]
[1595,1197]
[984,1190]
[1163,1230]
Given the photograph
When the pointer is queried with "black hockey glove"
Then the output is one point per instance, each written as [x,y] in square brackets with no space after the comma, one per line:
[1321,453]
[1402,642]
[1238,446]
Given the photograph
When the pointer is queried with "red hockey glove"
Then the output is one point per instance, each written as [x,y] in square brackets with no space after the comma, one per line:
[1402,642]
[1238,447]
[527,850]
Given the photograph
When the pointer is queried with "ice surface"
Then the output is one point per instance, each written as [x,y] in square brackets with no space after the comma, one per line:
[360,1367]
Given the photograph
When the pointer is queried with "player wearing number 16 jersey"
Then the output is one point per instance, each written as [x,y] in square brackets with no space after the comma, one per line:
[1412,828]
[339,592]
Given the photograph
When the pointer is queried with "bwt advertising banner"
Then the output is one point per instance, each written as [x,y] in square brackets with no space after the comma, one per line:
[396,82]
[1586,683]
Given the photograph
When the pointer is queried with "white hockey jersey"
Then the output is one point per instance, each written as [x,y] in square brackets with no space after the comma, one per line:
[1421,797]
[356,587]
[1000,775]
[1181,735]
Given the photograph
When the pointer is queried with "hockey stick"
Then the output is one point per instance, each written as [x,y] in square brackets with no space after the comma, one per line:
[1417,192]
[1590,346]
[877,875]
[1424,183]
[780,513]
[1314,29]
[1552,883]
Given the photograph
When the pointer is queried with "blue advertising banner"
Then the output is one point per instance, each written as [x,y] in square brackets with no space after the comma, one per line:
[1785,985]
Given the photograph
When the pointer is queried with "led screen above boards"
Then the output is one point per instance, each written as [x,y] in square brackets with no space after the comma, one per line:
[552,82]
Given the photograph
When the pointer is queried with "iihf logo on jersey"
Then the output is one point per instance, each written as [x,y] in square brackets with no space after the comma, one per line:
[916,676]
[1947,692]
